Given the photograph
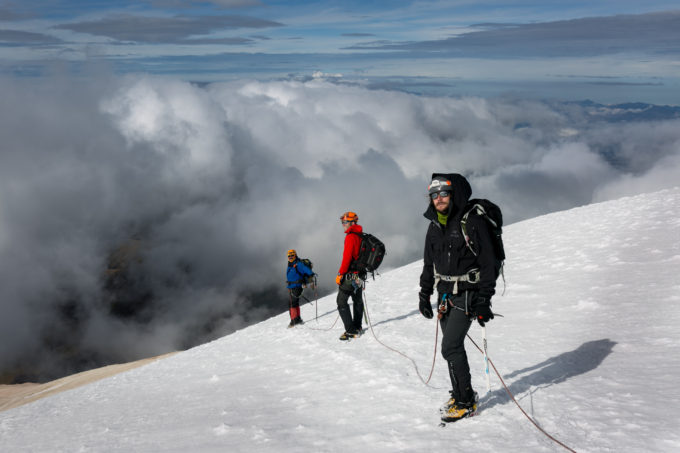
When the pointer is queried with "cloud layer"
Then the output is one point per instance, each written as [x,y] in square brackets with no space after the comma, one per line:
[203,189]
[651,33]
[165,29]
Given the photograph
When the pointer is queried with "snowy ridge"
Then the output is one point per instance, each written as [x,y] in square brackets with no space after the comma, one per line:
[586,344]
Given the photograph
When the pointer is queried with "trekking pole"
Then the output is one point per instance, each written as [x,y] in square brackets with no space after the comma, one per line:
[316,300]
[486,359]
[363,299]
[486,356]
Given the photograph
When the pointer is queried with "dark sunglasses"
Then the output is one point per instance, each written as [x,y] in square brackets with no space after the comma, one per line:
[345,222]
[291,256]
[443,194]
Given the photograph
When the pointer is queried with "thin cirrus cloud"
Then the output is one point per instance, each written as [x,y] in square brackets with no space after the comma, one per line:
[218,3]
[159,30]
[358,35]
[18,37]
[656,33]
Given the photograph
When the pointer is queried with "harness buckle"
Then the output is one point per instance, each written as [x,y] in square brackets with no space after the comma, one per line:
[473,276]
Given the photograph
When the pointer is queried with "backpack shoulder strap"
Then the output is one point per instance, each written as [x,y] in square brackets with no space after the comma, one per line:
[463,226]
[479,210]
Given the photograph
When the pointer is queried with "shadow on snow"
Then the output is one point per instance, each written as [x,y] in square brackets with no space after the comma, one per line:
[554,370]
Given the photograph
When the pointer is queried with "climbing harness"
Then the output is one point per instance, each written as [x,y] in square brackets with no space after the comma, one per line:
[447,301]
[472,276]
[356,281]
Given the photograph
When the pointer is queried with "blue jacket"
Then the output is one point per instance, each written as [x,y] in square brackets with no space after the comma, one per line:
[296,272]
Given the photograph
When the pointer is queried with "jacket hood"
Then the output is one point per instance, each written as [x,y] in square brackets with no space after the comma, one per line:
[461,194]
[356,228]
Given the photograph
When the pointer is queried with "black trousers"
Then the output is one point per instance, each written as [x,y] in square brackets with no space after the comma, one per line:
[351,321]
[455,325]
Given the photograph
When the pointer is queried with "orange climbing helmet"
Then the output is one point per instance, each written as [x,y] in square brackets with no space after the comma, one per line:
[348,217]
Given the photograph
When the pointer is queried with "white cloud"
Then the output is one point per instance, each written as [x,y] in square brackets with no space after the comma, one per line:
[219,181]
[664,174]
[175,118]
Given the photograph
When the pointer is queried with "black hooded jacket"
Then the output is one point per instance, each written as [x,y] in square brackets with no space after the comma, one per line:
[446,250]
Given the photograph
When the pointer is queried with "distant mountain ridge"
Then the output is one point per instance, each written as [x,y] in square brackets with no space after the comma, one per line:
[629,111]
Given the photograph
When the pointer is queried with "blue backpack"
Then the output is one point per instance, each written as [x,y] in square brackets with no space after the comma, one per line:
[306,279]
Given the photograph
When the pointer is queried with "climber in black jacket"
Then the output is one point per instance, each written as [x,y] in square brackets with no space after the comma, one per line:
[465,281]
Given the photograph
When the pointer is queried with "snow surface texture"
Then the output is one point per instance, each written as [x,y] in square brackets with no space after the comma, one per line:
[587,344]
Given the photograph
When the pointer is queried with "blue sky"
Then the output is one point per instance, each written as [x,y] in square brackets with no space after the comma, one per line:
[606,50]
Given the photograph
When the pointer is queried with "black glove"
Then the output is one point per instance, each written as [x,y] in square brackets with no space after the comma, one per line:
[483,313]
[425,305]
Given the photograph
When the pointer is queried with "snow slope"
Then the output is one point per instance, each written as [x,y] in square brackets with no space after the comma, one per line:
[587,344]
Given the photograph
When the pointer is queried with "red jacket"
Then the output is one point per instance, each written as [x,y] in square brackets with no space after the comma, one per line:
[352,245]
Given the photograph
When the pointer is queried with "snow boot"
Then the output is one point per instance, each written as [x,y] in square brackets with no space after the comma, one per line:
[448,405]
[452,402]
[349,335]
[460,410]
[295,322]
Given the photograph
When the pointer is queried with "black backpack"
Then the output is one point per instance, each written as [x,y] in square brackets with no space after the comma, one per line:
[494,217]
[306,279]
[371,254]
